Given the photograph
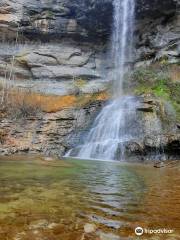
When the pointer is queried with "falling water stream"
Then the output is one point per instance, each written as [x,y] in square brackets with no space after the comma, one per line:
[122,41]
[111,130]
[113,126]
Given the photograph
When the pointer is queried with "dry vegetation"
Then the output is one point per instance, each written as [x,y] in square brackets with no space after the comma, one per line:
[21,104]
[3,135]
[175,73]
[18,104]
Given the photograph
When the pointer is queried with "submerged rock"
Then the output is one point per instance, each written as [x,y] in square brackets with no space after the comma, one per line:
[52,225]
[39,224]
[89,228]
[108,236]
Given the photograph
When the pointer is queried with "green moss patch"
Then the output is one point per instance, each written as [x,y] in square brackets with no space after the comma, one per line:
[157,80]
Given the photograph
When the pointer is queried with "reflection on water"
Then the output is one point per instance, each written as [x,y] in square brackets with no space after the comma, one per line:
[54,200]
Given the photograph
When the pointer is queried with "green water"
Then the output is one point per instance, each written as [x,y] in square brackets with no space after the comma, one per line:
[54,200]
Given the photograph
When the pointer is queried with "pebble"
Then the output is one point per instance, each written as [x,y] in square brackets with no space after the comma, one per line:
[89,228]
[108,236]
[38,224]
[52,225]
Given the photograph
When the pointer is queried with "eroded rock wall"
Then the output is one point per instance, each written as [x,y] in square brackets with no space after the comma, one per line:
[78,23]
[48,133]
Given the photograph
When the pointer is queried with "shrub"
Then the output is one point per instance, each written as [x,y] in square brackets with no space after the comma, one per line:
[19,104]
[3,135]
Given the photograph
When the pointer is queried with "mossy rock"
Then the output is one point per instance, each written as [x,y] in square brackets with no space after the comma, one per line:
[79,82]
[22,58]
[158,80]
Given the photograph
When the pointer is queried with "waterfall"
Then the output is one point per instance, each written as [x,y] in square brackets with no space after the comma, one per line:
[122,40]
[117,123]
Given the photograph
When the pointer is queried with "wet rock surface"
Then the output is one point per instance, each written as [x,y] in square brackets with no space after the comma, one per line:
[160,136]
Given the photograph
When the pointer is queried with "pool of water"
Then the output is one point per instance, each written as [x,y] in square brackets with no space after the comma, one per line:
[54,200]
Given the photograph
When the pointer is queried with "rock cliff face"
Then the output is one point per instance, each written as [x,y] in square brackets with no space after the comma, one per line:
[48,133]
[61,47]
[88,23]
[85,18]
[160,139]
